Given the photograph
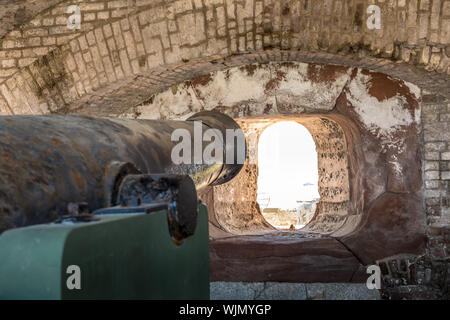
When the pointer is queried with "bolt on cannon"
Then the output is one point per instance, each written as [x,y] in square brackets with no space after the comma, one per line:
[81,173]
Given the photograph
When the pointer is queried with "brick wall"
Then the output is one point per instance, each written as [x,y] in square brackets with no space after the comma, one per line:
[161,32]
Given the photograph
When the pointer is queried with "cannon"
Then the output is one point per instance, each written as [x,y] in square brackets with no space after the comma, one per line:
[73,186]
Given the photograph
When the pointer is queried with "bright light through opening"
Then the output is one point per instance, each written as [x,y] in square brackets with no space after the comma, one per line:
[288,175]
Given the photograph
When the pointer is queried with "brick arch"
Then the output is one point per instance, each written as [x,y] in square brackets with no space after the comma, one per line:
[234,207]
[159,43]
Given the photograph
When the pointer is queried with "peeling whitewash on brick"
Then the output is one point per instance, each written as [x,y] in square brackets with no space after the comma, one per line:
[254,86]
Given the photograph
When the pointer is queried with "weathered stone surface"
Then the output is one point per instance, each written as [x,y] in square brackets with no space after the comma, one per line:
[149,34]
[415,277]
[412,292]
[236,206]
[341,291]
[287,257]
[395,224]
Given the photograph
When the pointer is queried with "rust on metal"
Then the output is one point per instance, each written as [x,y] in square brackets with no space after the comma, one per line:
[49,161]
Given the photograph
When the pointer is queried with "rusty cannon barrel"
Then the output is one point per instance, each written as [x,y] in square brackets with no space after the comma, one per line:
[50,161]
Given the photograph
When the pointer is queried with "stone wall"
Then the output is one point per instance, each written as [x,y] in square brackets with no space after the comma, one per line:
[269,90]
[436,137]
[435,266]
[121,52]
[48,29]
[235,205]
[415,277]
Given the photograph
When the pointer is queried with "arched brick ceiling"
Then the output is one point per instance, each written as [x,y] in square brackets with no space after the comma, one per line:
[15,13]
[137,47]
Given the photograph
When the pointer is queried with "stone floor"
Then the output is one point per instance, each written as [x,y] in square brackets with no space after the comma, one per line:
[283,256]
[291,291]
